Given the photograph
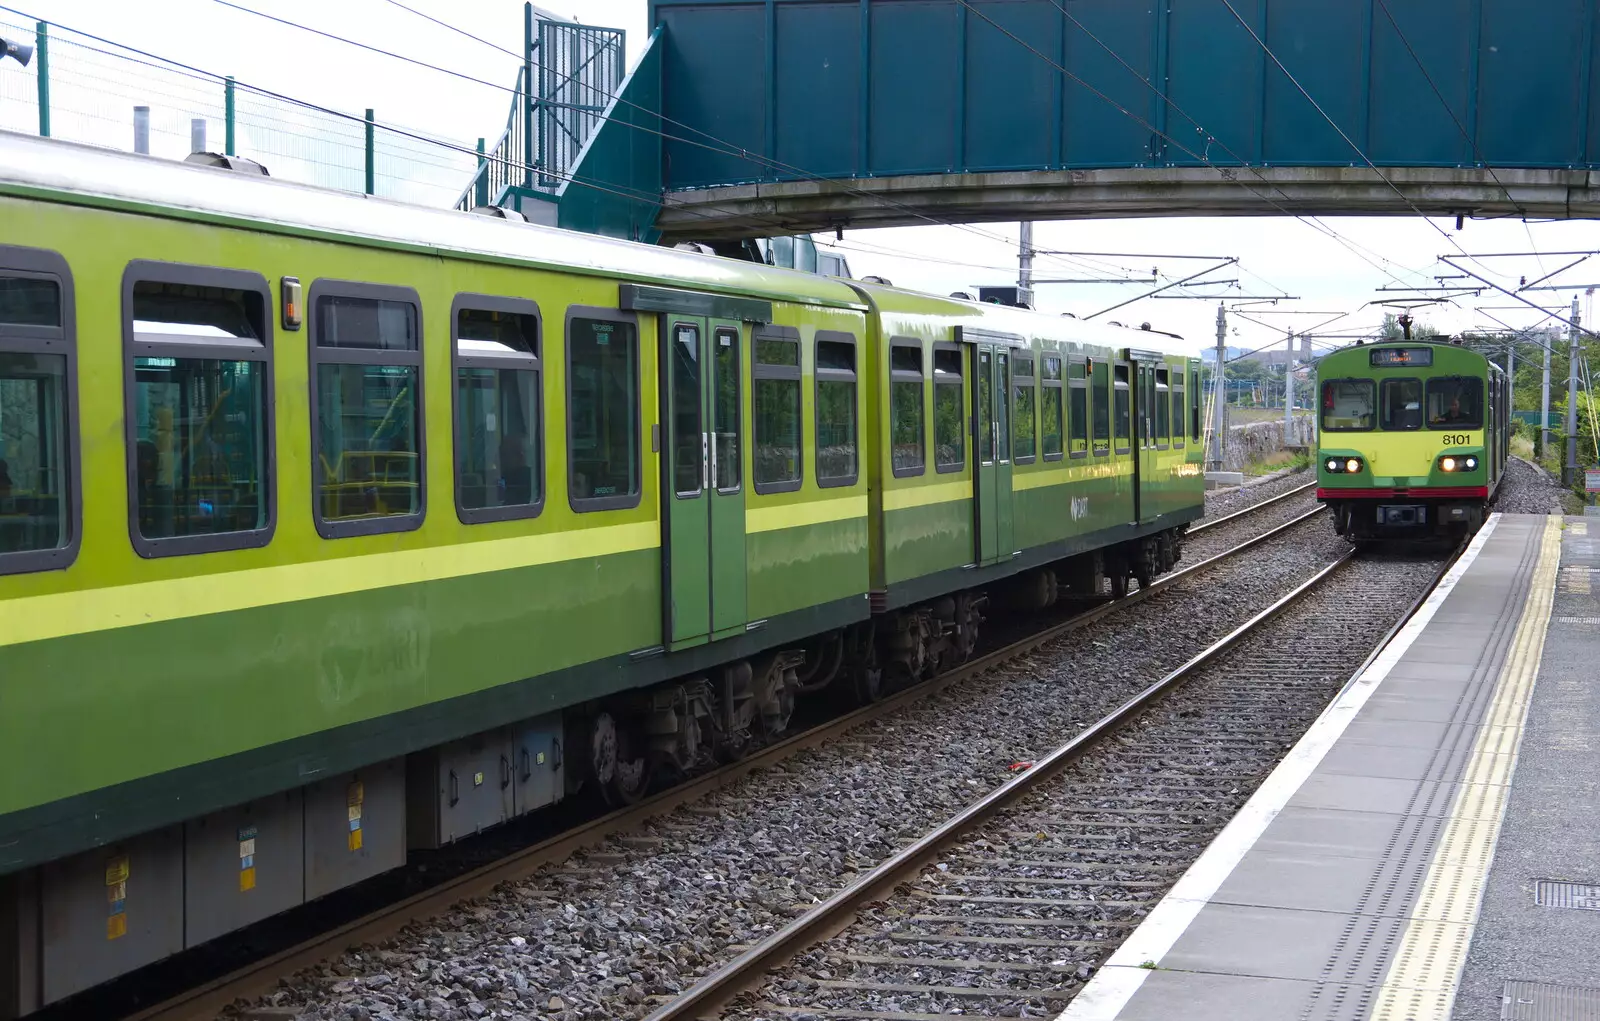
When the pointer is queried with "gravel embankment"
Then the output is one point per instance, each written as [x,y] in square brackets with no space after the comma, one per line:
[1220,502]
[1528,489]
[646,913]
[1009,921]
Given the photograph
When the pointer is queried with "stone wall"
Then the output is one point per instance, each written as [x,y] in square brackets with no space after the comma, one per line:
[1257,440]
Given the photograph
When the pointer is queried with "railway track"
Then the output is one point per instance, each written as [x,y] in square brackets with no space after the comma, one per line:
[253,981]
[1010,905]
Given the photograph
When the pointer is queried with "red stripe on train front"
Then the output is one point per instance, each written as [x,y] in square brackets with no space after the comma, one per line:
[1413,493]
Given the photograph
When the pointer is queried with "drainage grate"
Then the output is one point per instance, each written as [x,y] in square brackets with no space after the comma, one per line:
[1585,621]
[1554,893]
[1541,1001]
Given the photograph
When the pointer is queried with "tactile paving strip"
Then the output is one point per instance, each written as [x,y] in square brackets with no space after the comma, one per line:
[1541,1001]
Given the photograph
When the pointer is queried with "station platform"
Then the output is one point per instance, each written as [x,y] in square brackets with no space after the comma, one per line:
[1431,848]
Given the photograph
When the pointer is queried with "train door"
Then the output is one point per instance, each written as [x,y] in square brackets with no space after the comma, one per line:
[1146,500]
[703,489]
[992,425]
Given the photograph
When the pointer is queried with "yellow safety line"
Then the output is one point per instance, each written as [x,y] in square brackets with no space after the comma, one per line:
[1422,980]
[34,618]
[810,512]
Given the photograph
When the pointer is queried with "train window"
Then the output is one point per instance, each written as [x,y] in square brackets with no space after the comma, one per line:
[498,423]
[1178,416]
[1194,401]
[1400,401]
[906,396]
[949,415]
[836,408]
[1050,409]
[602,410]
[726,409]
[1101,374]
[776,402]
[198,384]
[1123,410]
[1163,416]
[1455,402]
[1077,409]
[366,408]
[38,444]
[1022,408]
[782,252]
[1348,405]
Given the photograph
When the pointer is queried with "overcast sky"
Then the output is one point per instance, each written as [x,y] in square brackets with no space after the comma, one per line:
[1277,255]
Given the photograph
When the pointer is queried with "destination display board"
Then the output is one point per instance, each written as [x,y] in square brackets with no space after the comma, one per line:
[1395,357]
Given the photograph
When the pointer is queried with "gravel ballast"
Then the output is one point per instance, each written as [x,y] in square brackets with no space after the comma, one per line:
[1528,489]
[643,915]
[1221,502]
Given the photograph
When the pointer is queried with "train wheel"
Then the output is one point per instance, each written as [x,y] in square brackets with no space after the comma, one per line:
[622,776]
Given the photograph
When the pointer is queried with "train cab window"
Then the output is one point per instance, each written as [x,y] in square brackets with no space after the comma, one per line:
[1123,411]
[1077,409]
[1455,402]
[38,506]
[906,422]
[776,403]
[949,416]
[1178,416]
[366,408]
[1348,405]
[1100,375]
[782,252]
[1400,401]
[602,410]
[836,409]
[1050,408]
[198,395]
[1022,389]
[498,425]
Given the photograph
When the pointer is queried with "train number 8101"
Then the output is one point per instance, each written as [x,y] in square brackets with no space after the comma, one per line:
[1456,439]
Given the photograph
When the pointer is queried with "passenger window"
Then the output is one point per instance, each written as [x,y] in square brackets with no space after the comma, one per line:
[1163,409]
[776,399]
[1050,409]
[949,418]
[1455,402]
[366,408]
[836,409]
[906,430]
[1101,379]
[198,408]
[37,515]
[727,411]
[1401,401]
[1078,409]
[602,411]
[1022,410]
[499,430]
[1348,405]
[1123,411]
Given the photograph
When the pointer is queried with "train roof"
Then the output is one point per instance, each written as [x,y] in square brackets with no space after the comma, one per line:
[981,317]
[69,172]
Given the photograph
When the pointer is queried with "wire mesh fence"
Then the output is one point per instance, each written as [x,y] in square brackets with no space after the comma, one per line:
[91,88]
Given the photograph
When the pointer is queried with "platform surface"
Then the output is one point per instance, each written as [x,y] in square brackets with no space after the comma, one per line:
[1391,867]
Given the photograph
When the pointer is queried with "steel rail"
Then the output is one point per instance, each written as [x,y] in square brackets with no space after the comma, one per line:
[717,988]
[258,978]
[1213,523]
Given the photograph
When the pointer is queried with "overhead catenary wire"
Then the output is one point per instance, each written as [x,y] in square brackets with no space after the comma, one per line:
[722,146]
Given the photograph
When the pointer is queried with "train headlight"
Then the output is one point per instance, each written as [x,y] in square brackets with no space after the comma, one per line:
[1448,464]
[1452,463]
[1333,464]
[1342,465]
[1470,463]
[1353,465]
